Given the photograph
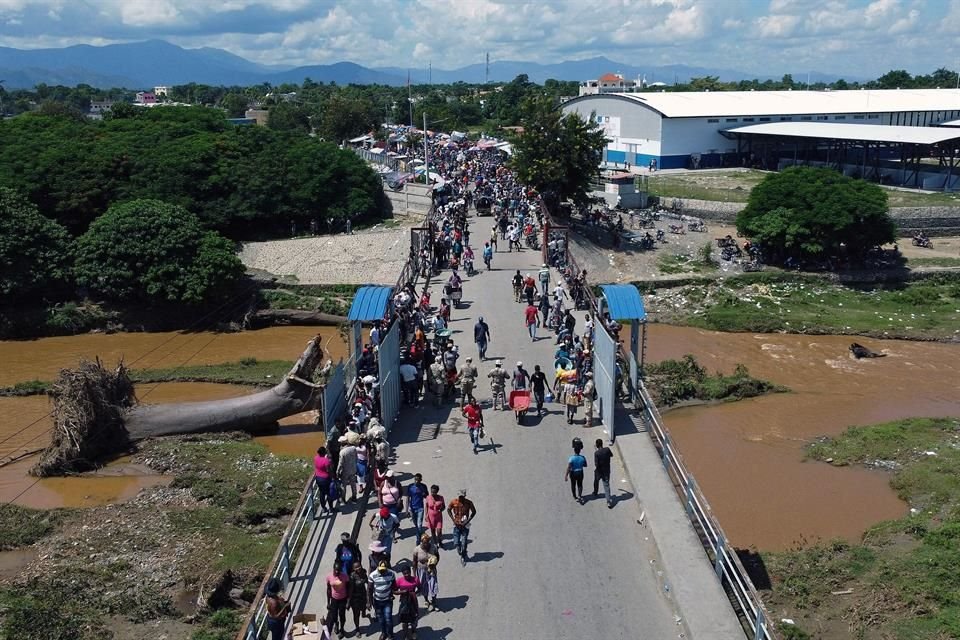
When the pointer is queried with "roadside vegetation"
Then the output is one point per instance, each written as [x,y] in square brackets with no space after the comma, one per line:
[702,262]
[334,299]
[900,580]
[685,380]
[215,528]
[927,309]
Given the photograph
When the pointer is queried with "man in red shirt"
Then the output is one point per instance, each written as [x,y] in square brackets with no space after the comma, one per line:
[531,318]
[474,416]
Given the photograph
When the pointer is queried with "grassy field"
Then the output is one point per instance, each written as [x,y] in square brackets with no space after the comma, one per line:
[332,299]
[901,581]
[933,262]
[239,498]
[769,302]
[735,186]
[703,262]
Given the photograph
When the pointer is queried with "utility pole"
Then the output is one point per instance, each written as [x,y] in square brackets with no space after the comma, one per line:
[486,78]
[426,156]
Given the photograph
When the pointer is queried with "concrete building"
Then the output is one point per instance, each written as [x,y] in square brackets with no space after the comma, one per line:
[607,83]
[161,92]
[259,116]
[694,129]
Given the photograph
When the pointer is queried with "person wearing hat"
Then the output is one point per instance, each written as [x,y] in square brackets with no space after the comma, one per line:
[544,277]
[347,470]
[380,588]
[378,554]
[520,377]
[498,382]
[467,377]
[386,528]
[278,610]
[481,335]
[462,512]
[529,288]
[589,393]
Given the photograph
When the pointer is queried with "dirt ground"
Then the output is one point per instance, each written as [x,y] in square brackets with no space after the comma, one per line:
[626,264]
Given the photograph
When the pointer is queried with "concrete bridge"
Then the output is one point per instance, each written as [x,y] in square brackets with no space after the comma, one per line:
[542,565]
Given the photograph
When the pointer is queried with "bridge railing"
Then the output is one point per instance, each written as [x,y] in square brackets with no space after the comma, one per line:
[726,563]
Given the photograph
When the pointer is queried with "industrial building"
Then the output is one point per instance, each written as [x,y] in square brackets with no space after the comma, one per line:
[773,129]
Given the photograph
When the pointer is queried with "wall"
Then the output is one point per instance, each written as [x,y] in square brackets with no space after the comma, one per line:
[636,139]
[419,199]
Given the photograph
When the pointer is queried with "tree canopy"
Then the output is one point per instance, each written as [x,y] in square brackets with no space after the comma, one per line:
[154,252]
[557,154]
[35,252]
[243,181]
[807,213]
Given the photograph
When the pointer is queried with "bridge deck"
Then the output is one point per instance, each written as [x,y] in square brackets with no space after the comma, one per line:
[542,566]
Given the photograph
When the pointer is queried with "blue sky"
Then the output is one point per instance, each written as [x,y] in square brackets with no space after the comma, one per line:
[860,38]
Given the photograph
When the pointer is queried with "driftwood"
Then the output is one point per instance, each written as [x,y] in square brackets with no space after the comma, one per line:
[860,351]
[96,415]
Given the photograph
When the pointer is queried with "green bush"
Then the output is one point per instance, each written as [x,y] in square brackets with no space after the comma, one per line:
[35,252]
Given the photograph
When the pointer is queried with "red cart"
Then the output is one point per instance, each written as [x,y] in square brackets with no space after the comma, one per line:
[519,402]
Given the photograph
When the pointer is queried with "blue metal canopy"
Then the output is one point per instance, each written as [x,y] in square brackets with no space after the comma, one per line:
[623,302]
[370,303]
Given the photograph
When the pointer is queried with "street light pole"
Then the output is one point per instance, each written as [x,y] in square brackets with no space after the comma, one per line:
[426,156]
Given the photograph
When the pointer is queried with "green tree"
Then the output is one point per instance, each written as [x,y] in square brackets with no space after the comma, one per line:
[557,154]
[809,212]
[344,118]
[155,252]
[234,104]
[35,252]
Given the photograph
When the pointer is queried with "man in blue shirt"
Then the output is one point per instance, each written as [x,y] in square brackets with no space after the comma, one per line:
[416,494]
[481,335]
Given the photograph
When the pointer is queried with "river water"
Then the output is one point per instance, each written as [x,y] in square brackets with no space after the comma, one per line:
[747,456]
[25,423]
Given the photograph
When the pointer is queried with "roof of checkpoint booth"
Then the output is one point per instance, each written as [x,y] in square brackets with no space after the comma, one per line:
[623,302]
[370,303]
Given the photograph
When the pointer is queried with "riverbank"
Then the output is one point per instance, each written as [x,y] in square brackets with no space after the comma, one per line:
[927,309]
[900,579]
[177,554]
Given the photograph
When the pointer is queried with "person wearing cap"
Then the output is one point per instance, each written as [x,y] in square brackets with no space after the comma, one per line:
[520,378]
[278,610]
[481,335]
[529,288]
[467,377]
[386,528]
[381,586]
[498,382]
[544,277]
[589,390]
[461,511]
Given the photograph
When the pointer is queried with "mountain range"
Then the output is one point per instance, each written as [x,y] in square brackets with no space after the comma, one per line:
[141,65]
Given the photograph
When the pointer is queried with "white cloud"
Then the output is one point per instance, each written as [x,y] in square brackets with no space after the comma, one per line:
[776,26]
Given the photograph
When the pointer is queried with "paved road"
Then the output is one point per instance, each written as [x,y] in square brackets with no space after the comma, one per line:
[542,565]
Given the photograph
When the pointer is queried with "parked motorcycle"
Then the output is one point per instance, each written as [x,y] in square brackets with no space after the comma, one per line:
[697,225]
[678,229]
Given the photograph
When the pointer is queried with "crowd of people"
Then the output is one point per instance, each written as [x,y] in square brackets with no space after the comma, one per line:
[357,455]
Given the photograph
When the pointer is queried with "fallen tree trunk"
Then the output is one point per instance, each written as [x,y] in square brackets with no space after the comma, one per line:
[271,317]
[96,414]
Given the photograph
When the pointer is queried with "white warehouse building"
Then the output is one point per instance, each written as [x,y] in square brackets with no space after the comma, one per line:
[692,129]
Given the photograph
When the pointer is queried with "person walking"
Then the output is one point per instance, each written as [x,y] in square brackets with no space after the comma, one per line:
[322,475]
[425,559]
[358,594]
[416,497]
[338,594]
[381,586]
[386,528]
[461,512]
[572,400]
[347,552]
[538,382]
[531,319]
[544,307]
[391,495]
[487,255]
[436,505]
[517,286]
[529,288]
[589,393]
[493,238]
[544,277]
[408,611]
[520,378]
[481,335]
[410,383]
[278,610]
[601,471]
[474,416]
[574,473]
[467,377]
[498,381]
[347,471]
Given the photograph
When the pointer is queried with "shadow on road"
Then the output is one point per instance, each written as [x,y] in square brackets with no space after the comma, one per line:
[429,633]
[451,603]
[486,556]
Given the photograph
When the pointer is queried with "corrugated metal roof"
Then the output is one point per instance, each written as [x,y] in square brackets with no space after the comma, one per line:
[840,131]
[623,302]
[370,303]
[697,104]
[951,123]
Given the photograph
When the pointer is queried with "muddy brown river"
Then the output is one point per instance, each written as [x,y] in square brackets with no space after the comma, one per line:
[747,456]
